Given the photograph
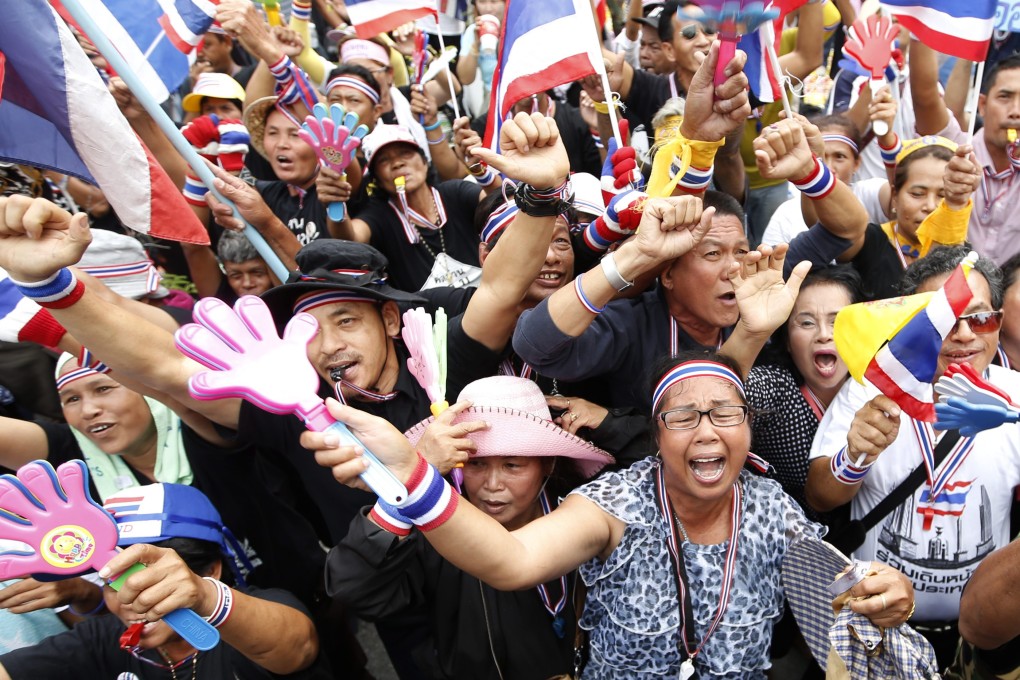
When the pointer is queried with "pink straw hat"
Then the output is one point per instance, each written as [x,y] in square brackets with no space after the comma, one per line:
[519,424]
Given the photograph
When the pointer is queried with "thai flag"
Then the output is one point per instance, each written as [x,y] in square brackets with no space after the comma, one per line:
[760,75]
[950,501]
[904,368]
[543,43]
[186,21]
[56,113]
[372,17]
[961,28]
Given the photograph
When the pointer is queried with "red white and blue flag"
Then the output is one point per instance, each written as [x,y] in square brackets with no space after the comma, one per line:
[961,28]
[760,75]
[372,17]
[57,114]
[543,43]
[155,37]
[951,500]
[904,368]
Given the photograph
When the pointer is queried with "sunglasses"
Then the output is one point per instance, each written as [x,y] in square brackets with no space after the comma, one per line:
[690,31]
[982,322]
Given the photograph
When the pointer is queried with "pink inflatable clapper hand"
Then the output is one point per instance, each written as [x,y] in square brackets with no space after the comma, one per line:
[335,136]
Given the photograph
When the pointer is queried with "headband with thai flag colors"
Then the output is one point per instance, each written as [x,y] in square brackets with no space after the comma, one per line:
[355,83]
[88,365]
[694,369]
[309,302]
[498,221]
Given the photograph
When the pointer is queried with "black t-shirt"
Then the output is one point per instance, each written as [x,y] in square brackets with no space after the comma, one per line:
[305,215]
[878,265]
[410,263]
[581,149]
[284,547]
[648,92]
[337,504]
[91,650]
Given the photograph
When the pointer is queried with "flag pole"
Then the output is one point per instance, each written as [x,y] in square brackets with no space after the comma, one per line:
[777,70]
[972,99]
[449,76]
[183,147]
[600,66]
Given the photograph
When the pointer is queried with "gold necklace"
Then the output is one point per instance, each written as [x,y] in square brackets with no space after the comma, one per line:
[173,668]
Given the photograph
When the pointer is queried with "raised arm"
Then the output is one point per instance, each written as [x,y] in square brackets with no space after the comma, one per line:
[37,241]
[807,53]
[931,115]
[533,153]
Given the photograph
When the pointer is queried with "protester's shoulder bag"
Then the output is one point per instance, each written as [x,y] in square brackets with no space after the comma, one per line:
[851,537]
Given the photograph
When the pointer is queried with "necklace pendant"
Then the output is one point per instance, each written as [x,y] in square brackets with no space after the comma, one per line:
[687,669]
[559,626]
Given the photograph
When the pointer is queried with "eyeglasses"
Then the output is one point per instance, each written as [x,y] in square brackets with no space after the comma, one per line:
[690,31]
[690,418]
[981,322]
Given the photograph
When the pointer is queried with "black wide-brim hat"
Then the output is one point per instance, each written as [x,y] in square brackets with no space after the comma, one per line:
[335,264]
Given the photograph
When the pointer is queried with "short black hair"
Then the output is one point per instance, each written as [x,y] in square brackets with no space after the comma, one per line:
[1009,272]
[724,204]
[1008,64]
[669,9]
[199,555]
[943,260]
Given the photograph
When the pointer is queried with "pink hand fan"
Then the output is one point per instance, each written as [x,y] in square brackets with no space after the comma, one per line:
[870,43]
[335,136]
[248,360]
[70,534]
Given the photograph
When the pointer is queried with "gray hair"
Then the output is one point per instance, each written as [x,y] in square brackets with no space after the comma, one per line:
[673,107]
[943,260]
[235,247]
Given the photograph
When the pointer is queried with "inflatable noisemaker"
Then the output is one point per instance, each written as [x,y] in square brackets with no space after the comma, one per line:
[69,534]
[731,19]
[329,133]
[249,360]
[971,404]
[426,342]
[870,44]
[272,8]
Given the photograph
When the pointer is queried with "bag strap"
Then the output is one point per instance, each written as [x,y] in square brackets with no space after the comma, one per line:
[909,485]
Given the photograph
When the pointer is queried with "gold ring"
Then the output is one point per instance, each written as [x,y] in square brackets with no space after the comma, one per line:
[885,605]
[568,404]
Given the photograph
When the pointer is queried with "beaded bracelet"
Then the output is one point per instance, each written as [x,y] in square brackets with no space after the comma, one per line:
[819,183]
[194,191]
[390,518]
[543,202]
[59,291]
[845,471]
[890,153]
[431,501]
[585,302]
[224,603]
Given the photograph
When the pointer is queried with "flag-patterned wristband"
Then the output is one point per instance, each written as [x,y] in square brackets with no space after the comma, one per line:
[224,603]
[819,182]
[889,154]
[618,222]
[194,191]
[846,471]
[431,501]
[390,518]
[695,180]
[486,178]
[583,299]
[42,328]
[61,290]
[301,10]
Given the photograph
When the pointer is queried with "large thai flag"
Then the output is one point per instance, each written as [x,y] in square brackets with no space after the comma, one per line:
[760,76]
[372,17]
[961,28]
[904,368]
[56,113]
[543,43]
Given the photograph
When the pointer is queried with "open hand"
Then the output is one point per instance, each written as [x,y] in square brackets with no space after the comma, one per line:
[763,298]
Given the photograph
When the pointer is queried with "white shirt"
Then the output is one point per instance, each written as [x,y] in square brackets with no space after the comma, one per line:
[939,561]
[788,220]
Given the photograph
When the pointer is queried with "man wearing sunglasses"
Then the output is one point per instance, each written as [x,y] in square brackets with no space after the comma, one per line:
[866,447]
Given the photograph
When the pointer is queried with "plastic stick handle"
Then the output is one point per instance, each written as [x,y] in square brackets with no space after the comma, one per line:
[378,477]
[727,50]
[880,127]
[195,630]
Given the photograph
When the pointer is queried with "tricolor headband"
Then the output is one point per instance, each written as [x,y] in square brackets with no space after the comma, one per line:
[309,302]
[87,366]
[842,138]
[112,271]
[355,83]
[364,49]
[694,369]
[498,221]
